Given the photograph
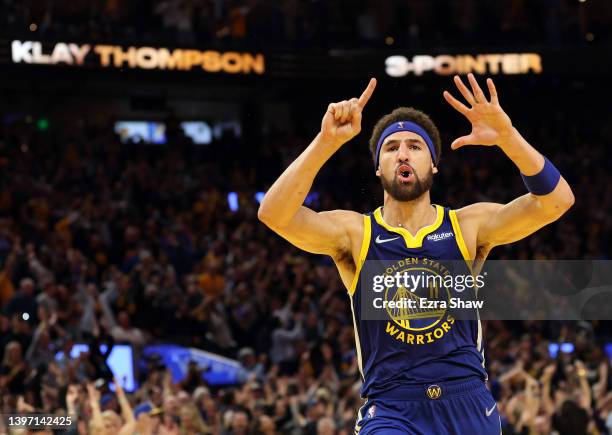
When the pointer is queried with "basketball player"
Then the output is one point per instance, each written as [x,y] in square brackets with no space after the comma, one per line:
[428,378]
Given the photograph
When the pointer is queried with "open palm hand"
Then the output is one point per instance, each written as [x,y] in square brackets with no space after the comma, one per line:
[490,124]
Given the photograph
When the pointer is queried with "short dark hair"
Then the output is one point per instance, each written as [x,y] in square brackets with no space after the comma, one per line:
[406,114]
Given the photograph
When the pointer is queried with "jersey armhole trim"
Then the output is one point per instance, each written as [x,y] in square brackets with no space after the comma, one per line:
[452,214]
[365,244]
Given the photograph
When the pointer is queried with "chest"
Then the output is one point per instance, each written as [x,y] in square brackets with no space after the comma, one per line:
[438,244]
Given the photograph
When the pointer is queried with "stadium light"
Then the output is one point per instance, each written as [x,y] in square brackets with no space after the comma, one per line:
[554,348]
[232,201]
[42,124]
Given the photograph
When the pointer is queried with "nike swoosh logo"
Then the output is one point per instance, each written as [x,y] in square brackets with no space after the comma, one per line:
[379,240]
[490,411]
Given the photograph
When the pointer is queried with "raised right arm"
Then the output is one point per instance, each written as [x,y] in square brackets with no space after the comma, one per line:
[282,209]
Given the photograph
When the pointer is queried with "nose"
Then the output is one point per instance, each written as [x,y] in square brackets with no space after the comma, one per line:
[403,153]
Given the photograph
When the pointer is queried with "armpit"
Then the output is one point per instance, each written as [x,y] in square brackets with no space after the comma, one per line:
[482,251]
[345,258]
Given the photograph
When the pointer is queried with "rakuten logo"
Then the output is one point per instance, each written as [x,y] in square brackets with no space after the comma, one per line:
[441,236]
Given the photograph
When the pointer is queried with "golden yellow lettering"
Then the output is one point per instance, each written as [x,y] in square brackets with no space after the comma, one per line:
[531,62]
[445,65]
[147,58]
[460,64]
[493,61]
[231,62]
[476,64]
[211,61]
[511,64]
[191,58]
[392,330]
[170,61]
[253,63]
[119,56]
[104,51]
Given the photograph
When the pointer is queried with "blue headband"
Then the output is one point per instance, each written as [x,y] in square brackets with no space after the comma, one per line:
[406,126]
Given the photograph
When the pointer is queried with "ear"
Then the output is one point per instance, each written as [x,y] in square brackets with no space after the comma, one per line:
[434,169]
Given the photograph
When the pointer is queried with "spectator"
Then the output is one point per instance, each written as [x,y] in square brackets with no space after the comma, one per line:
[191,421]
[264,426]
[23,303]
[326,426]
[14,371]
[239,423]
[284,338]
[251,369]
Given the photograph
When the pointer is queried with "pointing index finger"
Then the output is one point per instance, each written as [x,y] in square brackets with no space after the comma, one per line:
[365,97]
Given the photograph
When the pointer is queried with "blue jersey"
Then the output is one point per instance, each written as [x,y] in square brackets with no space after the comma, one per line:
[426,346]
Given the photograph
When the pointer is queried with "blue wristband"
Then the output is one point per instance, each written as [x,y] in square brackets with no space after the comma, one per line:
[544,181]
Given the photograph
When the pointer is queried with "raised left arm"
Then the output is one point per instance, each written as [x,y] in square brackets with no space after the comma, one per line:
[550,196]
[499,224]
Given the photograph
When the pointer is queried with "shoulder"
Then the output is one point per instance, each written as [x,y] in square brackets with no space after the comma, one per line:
[474,214]
[347,217]
[351,221]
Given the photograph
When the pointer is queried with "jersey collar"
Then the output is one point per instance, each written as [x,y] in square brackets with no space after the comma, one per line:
[415,241]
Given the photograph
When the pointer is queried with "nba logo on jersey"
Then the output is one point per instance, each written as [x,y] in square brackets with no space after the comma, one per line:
[372,411]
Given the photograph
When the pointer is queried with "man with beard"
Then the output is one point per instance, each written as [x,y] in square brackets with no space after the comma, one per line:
[423,371]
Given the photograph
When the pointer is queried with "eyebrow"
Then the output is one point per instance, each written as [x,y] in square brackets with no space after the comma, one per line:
[411,140]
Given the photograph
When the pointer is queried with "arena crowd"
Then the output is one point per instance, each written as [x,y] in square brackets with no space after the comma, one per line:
[103,242]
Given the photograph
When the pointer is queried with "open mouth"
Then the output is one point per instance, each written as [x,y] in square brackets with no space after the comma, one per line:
[405,174]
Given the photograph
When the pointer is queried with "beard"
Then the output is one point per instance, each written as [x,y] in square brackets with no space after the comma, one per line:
[407,192]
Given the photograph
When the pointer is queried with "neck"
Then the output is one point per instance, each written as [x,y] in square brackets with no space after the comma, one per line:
[411,215]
